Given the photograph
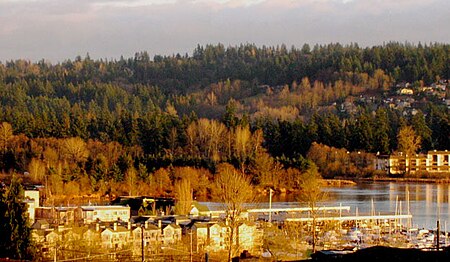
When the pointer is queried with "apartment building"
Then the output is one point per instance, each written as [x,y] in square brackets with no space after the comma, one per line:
[433,162]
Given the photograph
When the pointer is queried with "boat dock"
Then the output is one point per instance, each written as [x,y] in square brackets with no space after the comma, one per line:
[298,209]
[351,218]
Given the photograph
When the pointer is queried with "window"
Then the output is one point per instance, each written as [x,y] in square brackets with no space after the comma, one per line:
[434,159]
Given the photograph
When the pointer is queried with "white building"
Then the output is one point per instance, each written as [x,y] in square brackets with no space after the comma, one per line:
[105,213]
[31,198]
[433,162]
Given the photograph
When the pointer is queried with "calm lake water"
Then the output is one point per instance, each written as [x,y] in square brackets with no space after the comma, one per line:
[427,202]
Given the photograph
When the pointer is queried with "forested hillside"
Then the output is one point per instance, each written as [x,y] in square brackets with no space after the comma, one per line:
[95,120]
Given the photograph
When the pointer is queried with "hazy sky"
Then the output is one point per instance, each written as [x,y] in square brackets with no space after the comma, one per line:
[57,30]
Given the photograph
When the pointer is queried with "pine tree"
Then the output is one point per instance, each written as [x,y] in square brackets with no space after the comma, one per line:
[15,237]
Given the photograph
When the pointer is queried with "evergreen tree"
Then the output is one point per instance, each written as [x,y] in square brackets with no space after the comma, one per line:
[420,126]
[15,236]
[381,132]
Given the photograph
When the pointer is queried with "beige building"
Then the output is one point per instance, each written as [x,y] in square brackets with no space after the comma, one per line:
[433,162]
[171,234]
[91,214]
[215,237]
[249,237]
[200,236]
[31,198]
[218,237]
[150,234]
[58,215]
[117,237]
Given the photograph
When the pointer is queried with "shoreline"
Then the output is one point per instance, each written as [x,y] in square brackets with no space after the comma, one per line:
[400,180]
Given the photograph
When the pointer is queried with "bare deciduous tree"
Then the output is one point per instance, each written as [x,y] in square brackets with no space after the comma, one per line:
[131,180]
[74,149]
[234,189]
[311,192]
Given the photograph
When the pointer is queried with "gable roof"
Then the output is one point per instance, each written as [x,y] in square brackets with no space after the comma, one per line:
[40,223]
[120,229]
[201,225]
[175,226]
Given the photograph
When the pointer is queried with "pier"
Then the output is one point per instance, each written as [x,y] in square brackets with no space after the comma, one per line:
[298,209]
[351,218]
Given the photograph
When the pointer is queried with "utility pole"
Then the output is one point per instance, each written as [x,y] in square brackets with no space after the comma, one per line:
[191,244]
[270,205]
[438,235]
[142,243]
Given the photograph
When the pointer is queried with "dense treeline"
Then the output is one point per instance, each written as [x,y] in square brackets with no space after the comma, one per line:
[267,65]
[192,110]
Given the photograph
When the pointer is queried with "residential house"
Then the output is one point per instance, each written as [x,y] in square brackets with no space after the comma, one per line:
[171,234]
[40,224]
[92,237]
[218,237]
[406,91]
[152,234]
[207,209]
[53,237]
[200,235]
[38,236]
[39,229]
[116,237]
[249,237]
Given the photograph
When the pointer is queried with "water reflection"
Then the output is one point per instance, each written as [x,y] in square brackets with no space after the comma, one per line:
[426,202]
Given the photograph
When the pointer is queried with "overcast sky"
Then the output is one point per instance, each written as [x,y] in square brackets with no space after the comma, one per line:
[57,30]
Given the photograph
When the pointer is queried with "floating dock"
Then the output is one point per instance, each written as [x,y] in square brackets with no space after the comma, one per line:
[350,218]
[298,209]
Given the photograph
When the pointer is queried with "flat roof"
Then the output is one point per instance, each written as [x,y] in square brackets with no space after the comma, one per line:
[104,207]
